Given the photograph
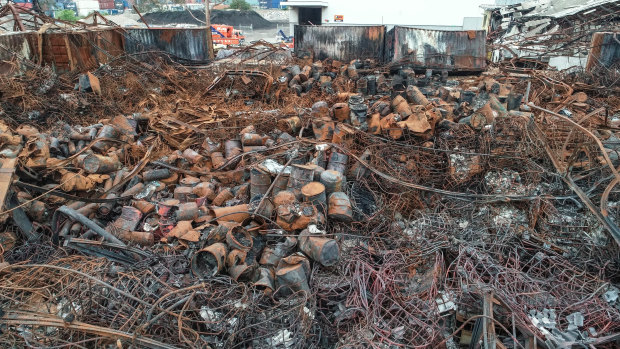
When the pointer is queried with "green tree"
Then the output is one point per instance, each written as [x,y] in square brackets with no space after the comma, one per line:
[240,5]
[67,15]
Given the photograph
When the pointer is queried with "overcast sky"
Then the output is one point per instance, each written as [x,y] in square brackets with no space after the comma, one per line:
[445,12]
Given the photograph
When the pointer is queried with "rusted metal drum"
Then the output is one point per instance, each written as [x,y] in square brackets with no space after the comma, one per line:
[281,183]
[232,148]
[338,162]
[300,176]
[231,214]
[320,249]
[339,208]
[129,219]
[209,261]
[292,275]
[314,193]
[184,194]
[259,182]
[187,211]
[217,159]
[192,156]
[94,163]
[291,125]
[341,111]
[252,139]
[223,196]
[284,198]
[155,175]
[332,180]
[266,279]
[239,238]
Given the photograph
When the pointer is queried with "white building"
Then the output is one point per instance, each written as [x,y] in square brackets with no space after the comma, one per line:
[430,14]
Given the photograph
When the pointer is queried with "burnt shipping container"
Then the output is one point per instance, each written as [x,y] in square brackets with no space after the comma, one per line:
[343,43]
[463,50]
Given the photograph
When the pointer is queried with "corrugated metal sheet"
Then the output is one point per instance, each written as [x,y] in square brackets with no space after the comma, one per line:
[15,47]
[436,49]
[343,43]
[19,42]
[184,43]
[83,50]
[605,50]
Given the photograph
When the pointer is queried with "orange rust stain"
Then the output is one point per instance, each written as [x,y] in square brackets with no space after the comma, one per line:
[167,34]
[374,33]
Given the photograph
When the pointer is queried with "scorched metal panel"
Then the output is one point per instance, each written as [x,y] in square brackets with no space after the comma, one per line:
[184,43]
[451,50]
[343,43]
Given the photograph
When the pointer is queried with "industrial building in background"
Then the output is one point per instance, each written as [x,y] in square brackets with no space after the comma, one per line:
[352,12]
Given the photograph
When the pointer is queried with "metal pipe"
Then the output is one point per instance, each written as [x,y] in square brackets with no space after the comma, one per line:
[76,216]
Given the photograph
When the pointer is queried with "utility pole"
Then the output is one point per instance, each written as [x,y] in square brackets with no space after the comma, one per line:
[210,53]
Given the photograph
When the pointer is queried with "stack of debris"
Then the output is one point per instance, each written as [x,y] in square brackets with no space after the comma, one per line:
[557,32]
[317,204]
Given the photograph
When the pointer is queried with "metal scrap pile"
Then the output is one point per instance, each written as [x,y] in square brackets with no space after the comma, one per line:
[312,205]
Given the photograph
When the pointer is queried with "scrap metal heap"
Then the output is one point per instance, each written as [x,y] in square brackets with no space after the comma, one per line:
[309,205]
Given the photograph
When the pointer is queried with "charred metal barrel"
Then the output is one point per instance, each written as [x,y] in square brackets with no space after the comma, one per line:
[338,162]
[401,107]
[232,213]
[314,193]
[252,139]
[358,170]
[290,125]
[187,211]
[362,86]
[332,180]
[222,197]
[281,183]
[259,182]
[266,279]
[292,275]
[320,109]
[238,238]
[339,208]
[155,175]
[341,111]
[184,194]
[192,156]
[94,163]
[300,176]
[266,209]
[128,220]
[372,85]
[414,95]
[210,260]
[232,148]
[320,249]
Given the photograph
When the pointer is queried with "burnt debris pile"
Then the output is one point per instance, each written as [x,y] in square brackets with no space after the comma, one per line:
[308,205]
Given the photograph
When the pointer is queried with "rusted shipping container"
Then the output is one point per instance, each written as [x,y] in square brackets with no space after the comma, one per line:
[437,49]
[343,43]
[181,43]
[605,50]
